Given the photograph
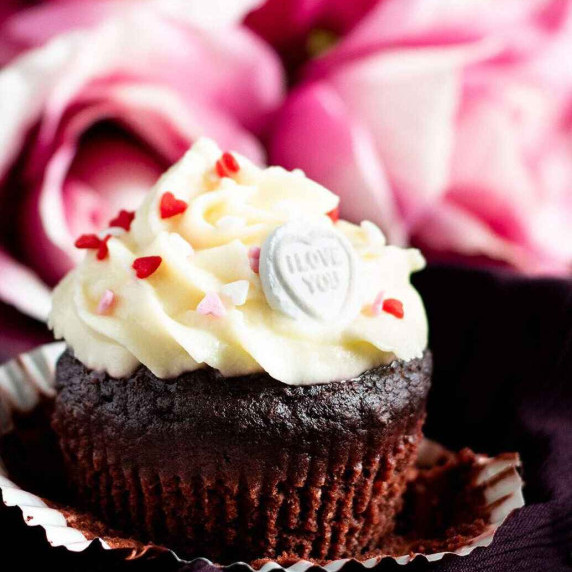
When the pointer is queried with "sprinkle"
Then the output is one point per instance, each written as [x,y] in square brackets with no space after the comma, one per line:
[377,306]
[230,162]
[236,292]
[171,206]
[230,222]
[254,258]
[220,170]
[393,306]
[112,230]
[227,165]
[289,208]
[123,220]
[180,244]
[106,302]
[335,214]
[90,241]
[146,265]
[372,233]
[211,304]
[103,249]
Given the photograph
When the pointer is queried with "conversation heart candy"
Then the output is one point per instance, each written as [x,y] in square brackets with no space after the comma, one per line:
[309,271]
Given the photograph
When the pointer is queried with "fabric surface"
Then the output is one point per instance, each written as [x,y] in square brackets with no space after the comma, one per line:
[502,346]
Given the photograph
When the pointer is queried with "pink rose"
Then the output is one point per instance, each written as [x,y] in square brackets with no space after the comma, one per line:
[450,124]
[30,23]
[297,28]
[91,118]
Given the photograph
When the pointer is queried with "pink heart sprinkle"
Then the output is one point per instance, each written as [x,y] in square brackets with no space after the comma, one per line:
[106,302]
[211,304]
[254,258]
[377,307]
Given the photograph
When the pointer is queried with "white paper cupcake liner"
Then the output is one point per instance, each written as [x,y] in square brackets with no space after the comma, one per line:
[28,379]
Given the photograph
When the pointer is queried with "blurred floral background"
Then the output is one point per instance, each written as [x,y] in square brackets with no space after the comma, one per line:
[448,123]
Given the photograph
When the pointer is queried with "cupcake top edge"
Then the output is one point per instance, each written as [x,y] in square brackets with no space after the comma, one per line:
[243,269]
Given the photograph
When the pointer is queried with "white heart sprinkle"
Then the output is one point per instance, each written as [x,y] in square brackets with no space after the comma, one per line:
[180,244]
[230,222]
[237,292]
[288,208]
[373,233]
[111,231]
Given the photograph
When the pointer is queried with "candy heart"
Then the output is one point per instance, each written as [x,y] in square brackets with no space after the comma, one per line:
[309,271]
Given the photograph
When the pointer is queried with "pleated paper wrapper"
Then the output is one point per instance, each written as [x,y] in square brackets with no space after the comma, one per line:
[28,380]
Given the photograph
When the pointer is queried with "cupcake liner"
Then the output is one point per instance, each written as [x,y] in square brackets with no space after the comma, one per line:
[325,506]
[28,381]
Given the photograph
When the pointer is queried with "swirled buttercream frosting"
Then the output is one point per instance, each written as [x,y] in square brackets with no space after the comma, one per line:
[243,269]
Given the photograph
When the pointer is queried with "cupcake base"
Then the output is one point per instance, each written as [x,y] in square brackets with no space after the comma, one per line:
[243,468]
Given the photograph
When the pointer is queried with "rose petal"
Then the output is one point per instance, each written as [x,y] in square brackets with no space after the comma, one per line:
[23,289]
[160,113]
[19,333]
[337,151]
[24,88]
[409,101]
[288,24]
[38,24]
[452,233]
[220,72]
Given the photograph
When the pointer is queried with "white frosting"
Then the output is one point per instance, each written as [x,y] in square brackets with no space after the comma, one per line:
[205,250]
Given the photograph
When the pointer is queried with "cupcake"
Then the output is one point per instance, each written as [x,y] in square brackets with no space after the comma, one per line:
[246,375]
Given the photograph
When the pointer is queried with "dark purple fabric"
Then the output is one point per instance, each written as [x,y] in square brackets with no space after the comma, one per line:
[502,346]
[503,382]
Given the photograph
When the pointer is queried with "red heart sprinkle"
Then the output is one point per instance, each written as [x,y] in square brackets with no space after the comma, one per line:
[171,206]
[146,265]
[230,162]
[91,241]
[335,214]
[220,170]
[103,250]
[123,219]
[227,165]
[393,306]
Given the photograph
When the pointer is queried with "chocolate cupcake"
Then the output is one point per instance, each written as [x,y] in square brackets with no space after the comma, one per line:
[246,375]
